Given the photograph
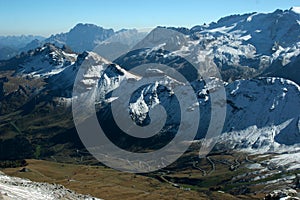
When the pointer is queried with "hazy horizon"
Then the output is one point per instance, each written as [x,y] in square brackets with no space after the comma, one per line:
[44,18]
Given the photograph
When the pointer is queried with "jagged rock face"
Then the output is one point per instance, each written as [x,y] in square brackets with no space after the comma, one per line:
[262,113]
[260,30]
[91,65]
[289,71]
[242,46]
[42,62]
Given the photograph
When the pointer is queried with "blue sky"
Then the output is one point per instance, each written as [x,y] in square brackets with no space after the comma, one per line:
[44,17]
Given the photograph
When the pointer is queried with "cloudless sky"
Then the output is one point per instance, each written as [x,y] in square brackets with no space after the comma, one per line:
[45,17]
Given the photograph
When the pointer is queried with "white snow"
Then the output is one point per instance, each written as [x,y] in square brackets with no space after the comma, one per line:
[73,55]
[139,108]
[289,160]
[254,166]
[222,29]
[23,189]
[246,37]
[260,111]
[296,9]
[45,64]
[261,138]
[249,19]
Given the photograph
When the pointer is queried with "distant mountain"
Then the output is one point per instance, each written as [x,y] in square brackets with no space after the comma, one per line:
[18,41]
[74,38]
[11,45]
[32,45]
[105,42]
[120,43]
[82,37]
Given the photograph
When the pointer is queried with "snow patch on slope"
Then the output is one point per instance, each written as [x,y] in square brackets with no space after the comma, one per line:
[23,189]
[289,160]
[46,61]
[261,115]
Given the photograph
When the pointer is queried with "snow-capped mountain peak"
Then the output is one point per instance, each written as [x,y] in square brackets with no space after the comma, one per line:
[91,70]
[45,61]
[90,64]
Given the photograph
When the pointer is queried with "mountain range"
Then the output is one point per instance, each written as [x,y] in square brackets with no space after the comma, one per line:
[95,36]
[257,55]
[238,45]
[10,45]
